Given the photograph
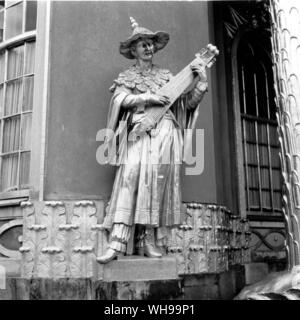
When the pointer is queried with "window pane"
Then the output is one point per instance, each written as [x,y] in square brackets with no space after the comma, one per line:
[254,199]
[1,25]
[1,100]
[1,4]
[11,134]
[9,172]
[275,157]
[24,169]
[253,177]
[276,176]
[266,199]
[261,78]
[15,62]
[13,98]
[265,178]
[272,103]
[250,131]
[250,90]
[26,131]
[28,93]
[274,141]
[2,66]
[251,154]
[241,89]
[31,15]
[264,155]
[277,200]
[262,133]
[14,21]
[30,55]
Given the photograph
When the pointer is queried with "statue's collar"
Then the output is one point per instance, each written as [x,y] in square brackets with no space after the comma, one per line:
[152,70]
[135,77]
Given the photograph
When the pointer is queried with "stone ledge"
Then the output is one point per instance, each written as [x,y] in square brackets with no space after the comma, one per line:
[139,269]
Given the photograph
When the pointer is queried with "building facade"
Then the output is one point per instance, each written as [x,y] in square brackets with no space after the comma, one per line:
[57,62]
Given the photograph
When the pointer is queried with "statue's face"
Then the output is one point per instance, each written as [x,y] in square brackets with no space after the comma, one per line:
[144,49]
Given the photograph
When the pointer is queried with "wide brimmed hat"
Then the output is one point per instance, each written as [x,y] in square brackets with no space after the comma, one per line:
[160,38]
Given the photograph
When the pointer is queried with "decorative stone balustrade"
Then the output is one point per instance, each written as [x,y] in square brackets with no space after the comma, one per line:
[62,240]
[210,240]
[61,243]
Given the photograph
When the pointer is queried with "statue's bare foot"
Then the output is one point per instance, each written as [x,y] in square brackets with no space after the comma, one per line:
[109,255]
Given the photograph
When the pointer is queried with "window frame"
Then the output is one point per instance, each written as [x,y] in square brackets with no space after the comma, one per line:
[241,190]
[4,9]
[5,45]
[20,113]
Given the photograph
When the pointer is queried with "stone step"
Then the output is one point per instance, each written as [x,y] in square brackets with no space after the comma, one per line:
[135,268]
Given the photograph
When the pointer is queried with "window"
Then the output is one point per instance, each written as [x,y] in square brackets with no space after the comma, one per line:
[263,185]
[16,17]
[16,92]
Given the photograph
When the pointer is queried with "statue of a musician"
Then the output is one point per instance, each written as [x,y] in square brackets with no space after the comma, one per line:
[147,194]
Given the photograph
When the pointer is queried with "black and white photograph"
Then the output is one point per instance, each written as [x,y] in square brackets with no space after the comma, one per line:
[150,151]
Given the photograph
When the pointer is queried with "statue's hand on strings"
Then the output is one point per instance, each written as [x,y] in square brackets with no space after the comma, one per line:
[200,88]
[156,99]
[135,100]
[199,68]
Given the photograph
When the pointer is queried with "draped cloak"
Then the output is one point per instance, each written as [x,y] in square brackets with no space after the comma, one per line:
[146,192]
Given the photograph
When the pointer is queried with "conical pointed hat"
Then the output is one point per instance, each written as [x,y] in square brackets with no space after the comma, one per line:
[160,38]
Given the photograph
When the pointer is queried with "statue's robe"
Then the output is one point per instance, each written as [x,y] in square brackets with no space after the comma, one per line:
[147,187]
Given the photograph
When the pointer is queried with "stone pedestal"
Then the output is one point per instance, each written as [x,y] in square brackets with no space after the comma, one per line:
[136,268]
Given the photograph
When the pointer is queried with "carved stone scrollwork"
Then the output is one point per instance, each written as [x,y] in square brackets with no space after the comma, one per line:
[210,240]
[83,239]
[60,240]
[285,42]
[247,15]
[52,255]
[267,244]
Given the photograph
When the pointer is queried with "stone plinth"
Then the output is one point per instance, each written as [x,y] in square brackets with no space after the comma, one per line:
[136,268]
[224,286]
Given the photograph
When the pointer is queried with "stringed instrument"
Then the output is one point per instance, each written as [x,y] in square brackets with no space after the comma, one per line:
[175,88]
